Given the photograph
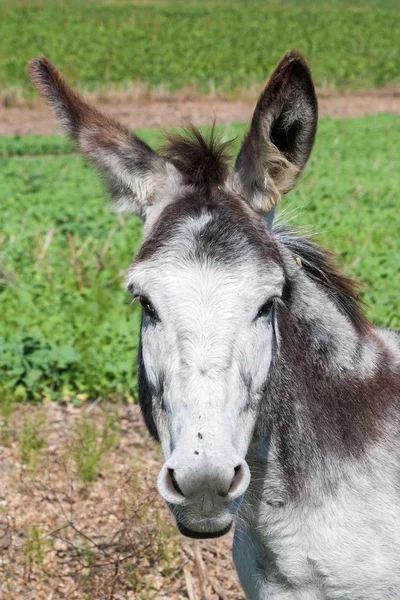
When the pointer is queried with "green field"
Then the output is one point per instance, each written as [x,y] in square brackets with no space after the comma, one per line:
[207,45]
[68,328]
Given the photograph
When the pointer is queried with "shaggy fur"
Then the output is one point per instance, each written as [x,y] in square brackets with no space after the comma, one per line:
[203,161]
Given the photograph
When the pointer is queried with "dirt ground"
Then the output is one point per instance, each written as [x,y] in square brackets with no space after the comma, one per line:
[80,517]
[174,110]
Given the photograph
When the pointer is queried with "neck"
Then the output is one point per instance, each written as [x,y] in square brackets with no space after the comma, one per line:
[325,384]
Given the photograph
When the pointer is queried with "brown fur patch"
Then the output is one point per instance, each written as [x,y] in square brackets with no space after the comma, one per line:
[77,116]
[133,171]
[73,111]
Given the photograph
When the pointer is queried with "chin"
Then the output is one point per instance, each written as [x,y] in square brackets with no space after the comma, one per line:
[203,535]
[206,531]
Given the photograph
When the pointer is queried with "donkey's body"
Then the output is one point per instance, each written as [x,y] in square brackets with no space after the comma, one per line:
[275,401]
[321,517]
[339,544]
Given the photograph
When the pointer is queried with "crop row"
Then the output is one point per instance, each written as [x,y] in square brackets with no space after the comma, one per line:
[210,45]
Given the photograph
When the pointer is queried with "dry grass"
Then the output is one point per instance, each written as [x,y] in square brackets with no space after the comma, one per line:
[135,91]
[80,517]
[141,92]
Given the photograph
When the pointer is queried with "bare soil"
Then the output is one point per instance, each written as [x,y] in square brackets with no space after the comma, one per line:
[174,110]
[63,537]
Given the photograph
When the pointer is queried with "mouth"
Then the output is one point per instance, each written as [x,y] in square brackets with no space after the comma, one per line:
[203,535]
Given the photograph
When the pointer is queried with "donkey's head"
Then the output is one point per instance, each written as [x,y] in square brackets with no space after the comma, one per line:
[209,277]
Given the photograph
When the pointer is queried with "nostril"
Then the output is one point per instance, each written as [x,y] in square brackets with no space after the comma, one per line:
[171,473]
[240,480]
[233,484]
[169,488]
[237,469]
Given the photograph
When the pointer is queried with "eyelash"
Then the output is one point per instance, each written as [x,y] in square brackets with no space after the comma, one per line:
[151,312]
[266,309]
[148,308]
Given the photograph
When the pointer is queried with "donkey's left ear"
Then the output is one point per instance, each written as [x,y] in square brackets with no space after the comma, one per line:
[281,135]
[134,172]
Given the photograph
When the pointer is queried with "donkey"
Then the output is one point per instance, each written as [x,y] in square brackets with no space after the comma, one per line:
[275,401]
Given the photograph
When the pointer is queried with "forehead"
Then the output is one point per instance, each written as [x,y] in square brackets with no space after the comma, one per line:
[213,235]
[213,226]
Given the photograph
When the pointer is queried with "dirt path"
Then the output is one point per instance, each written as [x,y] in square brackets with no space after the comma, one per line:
[175,110]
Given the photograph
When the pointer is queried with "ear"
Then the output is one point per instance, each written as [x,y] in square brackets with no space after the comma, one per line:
[281,135]
[133,171]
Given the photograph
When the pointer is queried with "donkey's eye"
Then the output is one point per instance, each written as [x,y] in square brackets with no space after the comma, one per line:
[148,308]
[266,309]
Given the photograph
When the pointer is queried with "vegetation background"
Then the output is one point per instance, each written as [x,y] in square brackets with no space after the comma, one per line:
[68,329]
[68,332]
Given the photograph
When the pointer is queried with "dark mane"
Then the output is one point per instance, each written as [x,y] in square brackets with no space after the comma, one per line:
[321,266]
[203,161]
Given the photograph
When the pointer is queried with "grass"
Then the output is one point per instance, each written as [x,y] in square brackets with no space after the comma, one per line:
[176,44]
[68,327]
[31,442]
[91,444]
[7,406]
[34,549]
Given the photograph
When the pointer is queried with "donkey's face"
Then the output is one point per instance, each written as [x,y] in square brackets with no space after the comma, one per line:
[206,345]
[209,276]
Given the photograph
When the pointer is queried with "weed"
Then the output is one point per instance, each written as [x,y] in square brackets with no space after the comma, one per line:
[7,406]
[35,547]
[87,451]
[89,562]
[31,442]
[111,432]
[92,444]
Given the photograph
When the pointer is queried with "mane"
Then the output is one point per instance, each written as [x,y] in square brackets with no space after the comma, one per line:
[321,266]
[203,161]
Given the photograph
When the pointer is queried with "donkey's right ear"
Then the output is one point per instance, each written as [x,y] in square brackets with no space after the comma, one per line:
[133,171]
